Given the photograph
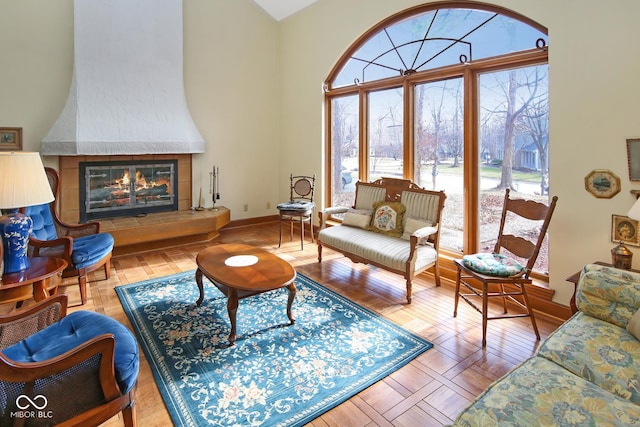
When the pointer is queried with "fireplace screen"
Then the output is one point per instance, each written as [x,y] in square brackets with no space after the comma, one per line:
[127,188]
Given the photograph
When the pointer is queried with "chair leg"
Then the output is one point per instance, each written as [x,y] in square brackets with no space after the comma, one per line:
[82,282]
[457,296]
[525,296]
[301,233]
[504,298]
[129,413]
[280,227]
[107,269]
[485,308]
[311,227]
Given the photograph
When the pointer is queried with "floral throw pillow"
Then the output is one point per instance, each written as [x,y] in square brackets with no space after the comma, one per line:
[387,218]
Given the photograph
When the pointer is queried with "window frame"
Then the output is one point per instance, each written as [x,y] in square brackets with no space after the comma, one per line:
[468,72]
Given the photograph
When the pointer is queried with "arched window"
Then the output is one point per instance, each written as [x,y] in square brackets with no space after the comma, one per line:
[453,96]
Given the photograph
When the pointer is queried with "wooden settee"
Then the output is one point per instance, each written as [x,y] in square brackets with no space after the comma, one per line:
[409,254]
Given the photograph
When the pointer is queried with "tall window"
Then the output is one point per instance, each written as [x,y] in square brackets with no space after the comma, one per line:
[452,97]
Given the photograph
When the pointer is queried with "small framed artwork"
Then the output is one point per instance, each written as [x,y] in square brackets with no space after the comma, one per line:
[625,230]
[633,158]
[602,183]
[10,139]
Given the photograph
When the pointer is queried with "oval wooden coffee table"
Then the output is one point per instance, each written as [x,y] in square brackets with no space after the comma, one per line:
[240,271]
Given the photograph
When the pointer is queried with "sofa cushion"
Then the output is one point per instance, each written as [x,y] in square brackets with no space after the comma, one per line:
[492,264]
[387,218]
[600,352]
[610,294]
[391,252]
[539,392]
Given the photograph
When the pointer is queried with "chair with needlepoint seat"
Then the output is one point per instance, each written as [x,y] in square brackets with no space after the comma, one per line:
[300,206]
[495,275]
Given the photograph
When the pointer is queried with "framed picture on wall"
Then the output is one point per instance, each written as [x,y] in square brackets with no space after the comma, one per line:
[625,230]
[10,139]
[633,158]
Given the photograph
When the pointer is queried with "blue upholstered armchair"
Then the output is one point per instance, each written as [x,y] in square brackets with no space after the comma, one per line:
[83,246]
[77,369]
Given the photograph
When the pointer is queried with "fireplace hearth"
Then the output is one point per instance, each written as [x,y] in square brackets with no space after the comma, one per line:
[127,188]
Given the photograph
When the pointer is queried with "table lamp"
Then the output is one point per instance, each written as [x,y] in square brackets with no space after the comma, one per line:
[23,182]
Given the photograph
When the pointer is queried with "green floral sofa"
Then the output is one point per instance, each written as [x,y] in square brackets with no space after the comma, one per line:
[587,372]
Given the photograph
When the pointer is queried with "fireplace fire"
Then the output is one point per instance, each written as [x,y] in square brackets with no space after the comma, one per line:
[127,188]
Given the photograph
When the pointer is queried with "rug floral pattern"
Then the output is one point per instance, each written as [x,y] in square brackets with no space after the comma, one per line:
[277,374]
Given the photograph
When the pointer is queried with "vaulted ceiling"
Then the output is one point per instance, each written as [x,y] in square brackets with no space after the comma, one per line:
[280,9]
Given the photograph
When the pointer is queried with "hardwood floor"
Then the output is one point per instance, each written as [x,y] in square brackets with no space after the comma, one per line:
[429,391]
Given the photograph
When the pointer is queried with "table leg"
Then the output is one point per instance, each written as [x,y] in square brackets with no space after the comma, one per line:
[40,291]
[232,309]
[200,287]
[292,294]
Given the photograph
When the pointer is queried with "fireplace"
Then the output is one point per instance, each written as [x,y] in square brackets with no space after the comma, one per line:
[127,188]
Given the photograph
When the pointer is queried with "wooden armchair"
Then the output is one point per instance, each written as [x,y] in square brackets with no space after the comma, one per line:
[75,370]
[83,246]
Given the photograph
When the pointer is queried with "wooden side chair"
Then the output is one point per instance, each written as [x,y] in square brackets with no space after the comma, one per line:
[496,275]
[299,207]
[83,246]
[79,369]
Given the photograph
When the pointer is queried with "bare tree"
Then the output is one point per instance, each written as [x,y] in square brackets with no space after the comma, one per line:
[512,107]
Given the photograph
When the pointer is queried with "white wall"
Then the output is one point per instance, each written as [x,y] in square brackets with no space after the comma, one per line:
[593,106]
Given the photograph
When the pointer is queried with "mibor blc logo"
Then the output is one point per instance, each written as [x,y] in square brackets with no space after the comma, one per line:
[31,407]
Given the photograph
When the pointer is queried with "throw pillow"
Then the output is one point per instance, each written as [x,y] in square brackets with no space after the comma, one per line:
[357,218]
[411,225]
[387,218]
[634,324]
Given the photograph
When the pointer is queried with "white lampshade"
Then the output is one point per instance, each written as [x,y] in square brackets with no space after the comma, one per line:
[634,212]
[23,181]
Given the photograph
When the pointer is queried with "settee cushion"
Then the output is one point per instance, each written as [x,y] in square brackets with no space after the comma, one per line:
[76,329]
[598,351]
[388,218]
[539,392]
[391,252]
[492,264]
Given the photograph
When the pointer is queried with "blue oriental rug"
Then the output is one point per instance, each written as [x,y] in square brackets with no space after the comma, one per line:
[276,374]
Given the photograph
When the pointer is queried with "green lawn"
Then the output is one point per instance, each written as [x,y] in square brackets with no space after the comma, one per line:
[494,172]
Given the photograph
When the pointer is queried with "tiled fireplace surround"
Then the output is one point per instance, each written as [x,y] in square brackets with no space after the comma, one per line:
[70,180]
[155,230]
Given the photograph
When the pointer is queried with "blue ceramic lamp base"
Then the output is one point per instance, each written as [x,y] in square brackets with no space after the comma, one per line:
[15,228]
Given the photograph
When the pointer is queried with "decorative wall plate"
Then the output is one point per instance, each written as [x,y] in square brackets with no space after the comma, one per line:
[602,183]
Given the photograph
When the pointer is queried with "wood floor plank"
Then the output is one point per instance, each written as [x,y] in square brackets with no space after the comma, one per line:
[429,391]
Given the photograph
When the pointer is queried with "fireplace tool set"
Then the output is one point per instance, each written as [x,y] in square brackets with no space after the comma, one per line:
[214,189]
